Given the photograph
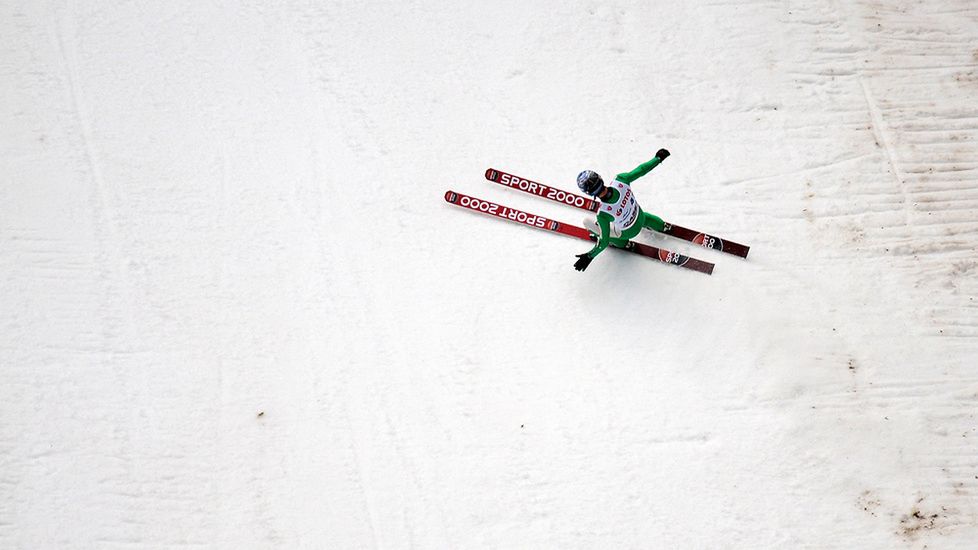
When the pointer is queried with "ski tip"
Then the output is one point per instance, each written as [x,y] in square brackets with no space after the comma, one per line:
[451,196]
[491,174]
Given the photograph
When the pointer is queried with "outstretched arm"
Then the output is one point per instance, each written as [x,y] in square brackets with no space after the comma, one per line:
[644,168]
[584,260]
[603,239]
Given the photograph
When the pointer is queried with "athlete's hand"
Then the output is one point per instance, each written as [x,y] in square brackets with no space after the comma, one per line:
[583,260]
[662,154]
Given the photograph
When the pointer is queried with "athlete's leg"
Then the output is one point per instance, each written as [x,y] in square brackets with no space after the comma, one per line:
[653,222]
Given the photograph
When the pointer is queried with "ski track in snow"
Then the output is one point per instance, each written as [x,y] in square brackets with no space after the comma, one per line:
[207,341]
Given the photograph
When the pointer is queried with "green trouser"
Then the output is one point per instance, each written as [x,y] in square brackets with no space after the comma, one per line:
[650,221]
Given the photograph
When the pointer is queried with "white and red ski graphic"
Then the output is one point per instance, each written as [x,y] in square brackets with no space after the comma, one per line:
[540,222]
[584,203]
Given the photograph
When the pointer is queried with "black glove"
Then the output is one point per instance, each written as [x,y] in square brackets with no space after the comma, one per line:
[583,260]
[662,154]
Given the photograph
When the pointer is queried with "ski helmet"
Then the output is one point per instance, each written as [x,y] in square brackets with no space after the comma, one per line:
[590,182]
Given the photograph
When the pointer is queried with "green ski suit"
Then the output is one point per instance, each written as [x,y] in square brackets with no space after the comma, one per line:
[608,213]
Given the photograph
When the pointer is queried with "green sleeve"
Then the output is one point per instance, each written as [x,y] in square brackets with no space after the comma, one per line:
[604,238]
[641,170]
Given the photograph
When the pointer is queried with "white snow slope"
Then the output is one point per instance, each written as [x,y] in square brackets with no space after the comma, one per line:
[236,312]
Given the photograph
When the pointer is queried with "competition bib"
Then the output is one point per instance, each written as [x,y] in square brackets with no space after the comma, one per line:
[625,209]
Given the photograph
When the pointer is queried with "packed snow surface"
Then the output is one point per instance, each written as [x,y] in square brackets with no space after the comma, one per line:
[236,312]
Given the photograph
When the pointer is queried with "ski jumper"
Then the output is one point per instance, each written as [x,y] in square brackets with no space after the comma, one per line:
[621,210]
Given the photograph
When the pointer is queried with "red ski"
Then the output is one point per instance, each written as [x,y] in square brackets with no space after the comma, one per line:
[540,222]
[584,203]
